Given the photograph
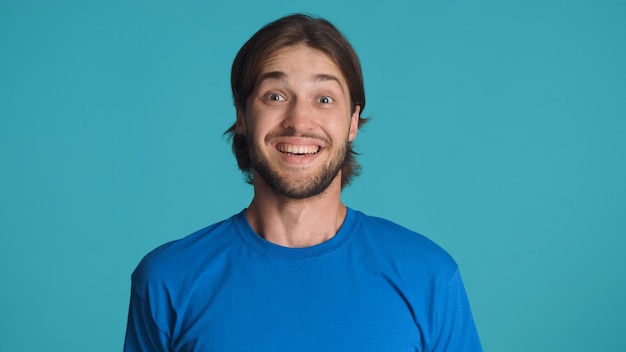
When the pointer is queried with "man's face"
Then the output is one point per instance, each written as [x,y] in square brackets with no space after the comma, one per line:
[298,122]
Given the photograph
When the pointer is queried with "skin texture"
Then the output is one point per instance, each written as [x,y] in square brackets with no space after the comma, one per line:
[298,123]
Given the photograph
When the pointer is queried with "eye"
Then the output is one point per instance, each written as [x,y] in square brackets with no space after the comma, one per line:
[274,97]
[325,99]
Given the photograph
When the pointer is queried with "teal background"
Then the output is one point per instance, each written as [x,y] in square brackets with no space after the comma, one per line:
[498,131]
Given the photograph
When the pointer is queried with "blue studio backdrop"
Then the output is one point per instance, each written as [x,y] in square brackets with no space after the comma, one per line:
[498,130]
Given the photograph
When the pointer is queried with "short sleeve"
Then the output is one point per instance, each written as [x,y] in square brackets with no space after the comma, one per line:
[454,325]
[142,332]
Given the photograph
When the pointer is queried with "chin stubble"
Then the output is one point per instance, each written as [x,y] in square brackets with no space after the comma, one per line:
[298,188]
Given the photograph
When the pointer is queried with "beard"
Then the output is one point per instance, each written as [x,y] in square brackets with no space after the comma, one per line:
[300,187]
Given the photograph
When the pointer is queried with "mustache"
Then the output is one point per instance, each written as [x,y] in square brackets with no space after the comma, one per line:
[292,133]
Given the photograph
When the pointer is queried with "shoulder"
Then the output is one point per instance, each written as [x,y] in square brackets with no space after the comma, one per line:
[170,262]
[403,245]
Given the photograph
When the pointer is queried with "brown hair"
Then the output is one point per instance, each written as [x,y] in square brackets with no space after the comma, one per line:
[291,30]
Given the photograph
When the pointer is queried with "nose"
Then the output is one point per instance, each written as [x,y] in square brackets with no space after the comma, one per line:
[299,116]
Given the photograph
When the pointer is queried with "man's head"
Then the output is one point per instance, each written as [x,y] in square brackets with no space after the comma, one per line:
[291,32]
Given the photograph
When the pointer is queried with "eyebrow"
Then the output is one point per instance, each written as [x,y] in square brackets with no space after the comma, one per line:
[279,75]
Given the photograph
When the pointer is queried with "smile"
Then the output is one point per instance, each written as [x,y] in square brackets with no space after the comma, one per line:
[298,149]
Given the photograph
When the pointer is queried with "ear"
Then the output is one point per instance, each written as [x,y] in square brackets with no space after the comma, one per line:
[241,127]
[354,123]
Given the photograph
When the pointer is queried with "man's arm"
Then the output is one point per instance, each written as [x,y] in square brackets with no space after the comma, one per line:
[142,332]
[455,329]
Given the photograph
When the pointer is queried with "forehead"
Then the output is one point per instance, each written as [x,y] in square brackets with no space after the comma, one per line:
[301,60]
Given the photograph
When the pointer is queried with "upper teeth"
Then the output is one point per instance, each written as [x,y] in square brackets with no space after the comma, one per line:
[298,149]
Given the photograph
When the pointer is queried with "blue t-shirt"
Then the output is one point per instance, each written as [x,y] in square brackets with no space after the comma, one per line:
[374,286]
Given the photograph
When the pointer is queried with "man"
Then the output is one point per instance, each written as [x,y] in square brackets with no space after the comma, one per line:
[298,270]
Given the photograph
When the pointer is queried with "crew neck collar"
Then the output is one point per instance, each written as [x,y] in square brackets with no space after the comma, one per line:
[256,242]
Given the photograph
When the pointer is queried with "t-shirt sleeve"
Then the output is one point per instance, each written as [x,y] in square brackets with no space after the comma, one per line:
[454,325]
[142,332]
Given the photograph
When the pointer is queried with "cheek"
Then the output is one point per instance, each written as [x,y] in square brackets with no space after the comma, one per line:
[257,132]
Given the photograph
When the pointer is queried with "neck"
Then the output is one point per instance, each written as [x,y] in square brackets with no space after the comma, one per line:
[296,223]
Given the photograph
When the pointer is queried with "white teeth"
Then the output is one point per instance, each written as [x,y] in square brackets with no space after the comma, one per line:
[298,149]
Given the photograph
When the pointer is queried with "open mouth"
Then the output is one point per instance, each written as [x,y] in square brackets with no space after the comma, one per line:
[298,150]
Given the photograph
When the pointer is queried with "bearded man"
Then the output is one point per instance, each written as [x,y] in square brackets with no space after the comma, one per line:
[297,270]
